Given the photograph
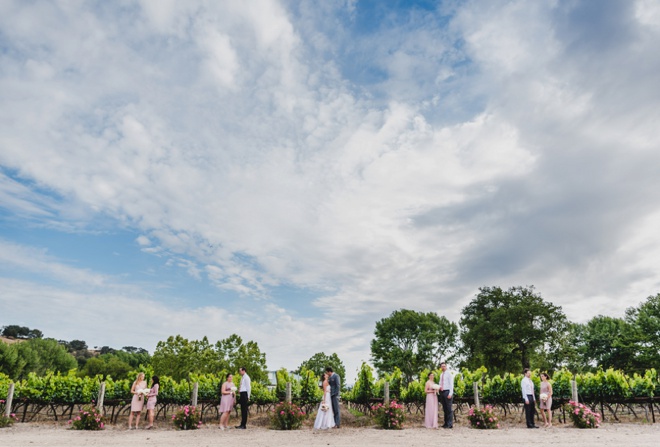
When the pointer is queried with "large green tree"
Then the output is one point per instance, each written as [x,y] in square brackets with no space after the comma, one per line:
[319,361]
[36,355]
[233,354]
[506,329]
[645,320]
[606,342]
[412,341]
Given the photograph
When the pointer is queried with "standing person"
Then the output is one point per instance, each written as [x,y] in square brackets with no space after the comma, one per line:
[527,387]
[152,399]
[447,395]
[431,407]
[138,400]
[325,418]
[546,400]
[245,389]
[335,386]
[226,401]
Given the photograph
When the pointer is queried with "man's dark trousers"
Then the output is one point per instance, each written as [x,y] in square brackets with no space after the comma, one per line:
[447,408]
[529,411]
[243,400]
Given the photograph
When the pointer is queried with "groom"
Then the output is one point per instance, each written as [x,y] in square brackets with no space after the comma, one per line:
[335,384]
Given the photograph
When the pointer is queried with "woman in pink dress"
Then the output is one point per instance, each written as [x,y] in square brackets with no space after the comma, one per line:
[226,401]
[546,404]
[152,399]
[138,400]
[431,408]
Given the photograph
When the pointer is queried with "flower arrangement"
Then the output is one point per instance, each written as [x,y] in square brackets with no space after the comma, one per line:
[389,417]
[187,418]
[143,392]
[287,416]
[436,387]
[325,407]
[88,419]
[544,397]
[582,416]
[483,418]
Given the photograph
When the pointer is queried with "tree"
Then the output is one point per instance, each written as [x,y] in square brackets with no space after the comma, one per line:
[36,355]
[233,354]
[16,331]
[504,329]
[178,358]
[412,341]
[645,321]
[606,342]
[319,361]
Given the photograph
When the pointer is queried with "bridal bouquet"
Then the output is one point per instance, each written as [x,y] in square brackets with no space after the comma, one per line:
[436,387]
[143,392]
[324,407]
[544,397]
[233,389]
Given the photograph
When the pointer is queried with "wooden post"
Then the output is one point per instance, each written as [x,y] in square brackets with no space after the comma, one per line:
[475,385]
[194,394]
[386,393]
[10,398]
[574,393]
[100,397]
[288,392]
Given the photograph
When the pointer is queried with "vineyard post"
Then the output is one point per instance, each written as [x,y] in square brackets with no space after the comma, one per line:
[386,393]
[194,394]
[10,398]
[574,393]
[100,398]
[475,385]
[288,392]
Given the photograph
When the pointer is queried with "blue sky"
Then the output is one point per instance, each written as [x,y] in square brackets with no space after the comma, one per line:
[295,171]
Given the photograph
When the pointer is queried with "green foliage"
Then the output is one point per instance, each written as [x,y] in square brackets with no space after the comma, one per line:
[389,417]
[412,341]
[37,355]
[88,419]
[16,331]
[232,354]
[643,386]
[283,376]
[310,392]
[363,390]
[503,389]
[582,416]
[504,329]
[287,416]
[187,418]
[561,384]
[463,381]
[645,321]
[603,385]
[7,421]
[483,418]
[261,395]
[319,361]
[414,392]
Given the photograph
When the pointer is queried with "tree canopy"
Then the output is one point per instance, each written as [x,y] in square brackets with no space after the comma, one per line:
[504,329]
[412,341]
[319,361]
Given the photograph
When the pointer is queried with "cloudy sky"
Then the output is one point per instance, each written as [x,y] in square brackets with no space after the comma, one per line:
[294,171]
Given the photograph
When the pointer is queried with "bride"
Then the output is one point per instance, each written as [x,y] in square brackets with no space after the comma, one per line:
[325,417]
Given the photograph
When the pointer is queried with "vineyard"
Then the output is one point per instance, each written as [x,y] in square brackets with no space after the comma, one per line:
[57,396]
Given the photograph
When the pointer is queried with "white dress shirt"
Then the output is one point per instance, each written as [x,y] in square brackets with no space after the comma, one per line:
[447,382]
[246,385]
[527,387]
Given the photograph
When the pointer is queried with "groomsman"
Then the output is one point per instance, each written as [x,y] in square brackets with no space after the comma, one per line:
[245,390]
[446,395]
[527,387]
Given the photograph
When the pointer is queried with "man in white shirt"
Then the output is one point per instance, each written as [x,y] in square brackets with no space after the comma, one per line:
[446,395]
[527,387]
[245,390]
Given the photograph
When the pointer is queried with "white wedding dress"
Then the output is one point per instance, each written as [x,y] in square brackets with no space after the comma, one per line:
[325,419]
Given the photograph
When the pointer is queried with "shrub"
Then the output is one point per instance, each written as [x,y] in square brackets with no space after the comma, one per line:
[287,416]
[483,418]
[187,418]
[389,417]
[88,419]
[582,416]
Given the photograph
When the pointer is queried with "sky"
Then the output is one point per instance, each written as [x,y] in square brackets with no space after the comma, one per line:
[295,171]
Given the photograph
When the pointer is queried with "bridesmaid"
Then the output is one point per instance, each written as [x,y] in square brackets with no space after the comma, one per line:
[151,400]
[546,405]
[226,401]
[431,408]
[138,400]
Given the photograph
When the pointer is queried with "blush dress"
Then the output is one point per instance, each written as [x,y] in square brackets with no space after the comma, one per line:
[138,400]
[547,405]
[431,410]
[151,402]
[227,400]
[325,419]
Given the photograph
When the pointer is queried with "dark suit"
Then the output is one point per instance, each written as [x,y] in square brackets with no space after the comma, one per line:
[335,386]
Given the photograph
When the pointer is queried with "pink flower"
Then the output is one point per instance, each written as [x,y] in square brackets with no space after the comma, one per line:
[282,412]
[70,421]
